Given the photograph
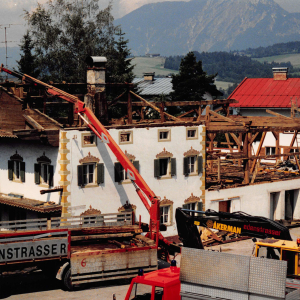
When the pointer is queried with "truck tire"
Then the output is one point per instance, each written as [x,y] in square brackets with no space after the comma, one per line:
[66,279]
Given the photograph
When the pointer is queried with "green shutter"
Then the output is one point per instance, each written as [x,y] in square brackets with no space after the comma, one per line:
[200,164]
[118,172]
[185,166]
[50,175]
[156,168]
[22,171]
[199,206]
[80,175]
[136,164]
[37,173]
[10,169]
[173,166]
[185,206]
[100,173]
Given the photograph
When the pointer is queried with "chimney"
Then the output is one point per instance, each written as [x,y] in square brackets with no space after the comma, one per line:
[149,76]
[95,98]
[280,73]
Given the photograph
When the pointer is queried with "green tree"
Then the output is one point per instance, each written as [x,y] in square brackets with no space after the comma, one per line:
[191,83]
[28,63]
[65,32]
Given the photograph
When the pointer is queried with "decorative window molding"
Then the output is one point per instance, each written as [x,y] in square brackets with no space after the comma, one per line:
[16,168]
[166,212]
[91,211]
[192,199]
[164,135]
[127,207]
[88,140]
[191,152]
[44,159]
[125,137]
[192,133]
[89,159]
[164,154]
[129,156]
[90,173]
[92,216]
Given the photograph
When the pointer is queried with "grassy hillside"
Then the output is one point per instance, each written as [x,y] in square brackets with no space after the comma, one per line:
[150,64]
[294,59]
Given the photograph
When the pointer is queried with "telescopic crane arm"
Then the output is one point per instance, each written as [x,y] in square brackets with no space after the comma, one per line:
[142,189]
[237,222]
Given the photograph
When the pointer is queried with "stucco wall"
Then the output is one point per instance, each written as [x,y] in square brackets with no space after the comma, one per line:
[256,199]
[110,195]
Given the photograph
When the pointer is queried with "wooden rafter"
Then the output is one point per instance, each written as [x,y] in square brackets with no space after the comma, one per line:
[258,151]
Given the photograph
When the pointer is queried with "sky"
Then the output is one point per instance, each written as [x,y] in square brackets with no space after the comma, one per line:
[12,14]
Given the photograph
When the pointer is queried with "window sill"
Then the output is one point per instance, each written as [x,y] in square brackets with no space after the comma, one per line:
[191,174]
[16,180]
[90,185]
[127,181]
[44,185]
[167,224]
[164,177]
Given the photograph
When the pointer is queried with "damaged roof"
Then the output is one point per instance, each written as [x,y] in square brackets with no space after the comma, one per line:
[30,204]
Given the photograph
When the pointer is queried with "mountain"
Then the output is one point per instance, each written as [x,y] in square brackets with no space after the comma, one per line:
[172,28]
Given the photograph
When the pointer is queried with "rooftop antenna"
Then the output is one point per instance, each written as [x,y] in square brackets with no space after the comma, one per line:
[6,41]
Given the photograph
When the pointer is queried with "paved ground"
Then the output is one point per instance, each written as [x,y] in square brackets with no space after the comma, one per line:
[38,286]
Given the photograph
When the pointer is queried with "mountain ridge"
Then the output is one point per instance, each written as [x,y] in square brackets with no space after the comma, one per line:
[172,28]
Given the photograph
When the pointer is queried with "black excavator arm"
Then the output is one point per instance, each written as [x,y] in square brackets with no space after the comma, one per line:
[237,222]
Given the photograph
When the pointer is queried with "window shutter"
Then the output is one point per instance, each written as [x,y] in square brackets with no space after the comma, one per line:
[136,164]
[100,173]
[80,175]
[50,175]
[156,168]
[118,171]
[10,169]
[185,206]
[200,164]
[185,166]
[173,166]
[22,171]
[200,206]
[37,173]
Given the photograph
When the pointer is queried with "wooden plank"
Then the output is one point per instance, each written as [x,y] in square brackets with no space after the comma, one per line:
[277,114]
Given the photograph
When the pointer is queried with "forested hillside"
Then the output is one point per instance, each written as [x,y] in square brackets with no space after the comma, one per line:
[229,66]
[277,49]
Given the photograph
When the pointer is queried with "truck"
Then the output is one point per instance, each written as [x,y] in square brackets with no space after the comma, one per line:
[212,275]
[106,253]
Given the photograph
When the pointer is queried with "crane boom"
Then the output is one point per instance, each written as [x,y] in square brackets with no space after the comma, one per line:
[142,188]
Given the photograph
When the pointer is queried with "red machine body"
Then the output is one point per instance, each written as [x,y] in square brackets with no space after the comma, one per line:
[162,284]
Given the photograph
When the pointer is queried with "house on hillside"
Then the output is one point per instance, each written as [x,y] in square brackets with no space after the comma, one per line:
[150,87]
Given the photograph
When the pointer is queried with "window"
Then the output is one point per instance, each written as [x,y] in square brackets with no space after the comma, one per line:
[43,174]
[165,167]
[90,174]
[164,214]
[193,206]
[164,135]
[88,140]
[192,165]
[192,133]
[120,172]
[125,137]
[270,150]
[16,168]
[294,151]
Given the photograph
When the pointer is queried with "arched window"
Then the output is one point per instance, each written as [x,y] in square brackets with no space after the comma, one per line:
[43,171]
[16,168]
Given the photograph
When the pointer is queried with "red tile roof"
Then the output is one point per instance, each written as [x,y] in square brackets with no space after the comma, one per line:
[266,92]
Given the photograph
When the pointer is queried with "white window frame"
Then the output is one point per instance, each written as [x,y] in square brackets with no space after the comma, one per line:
[17,170]
[87,173]
[44,171]
[161,133]
[165,217]
[269,149]
[193,165]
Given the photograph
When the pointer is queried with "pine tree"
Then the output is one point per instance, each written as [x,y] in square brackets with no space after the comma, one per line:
[28,63]
[191,83]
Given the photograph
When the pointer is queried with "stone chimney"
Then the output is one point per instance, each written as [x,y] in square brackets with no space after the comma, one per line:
[280,73]
[95,98]
[149,76]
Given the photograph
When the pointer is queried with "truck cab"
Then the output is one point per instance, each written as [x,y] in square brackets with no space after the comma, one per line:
[162,284]
[281,250]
